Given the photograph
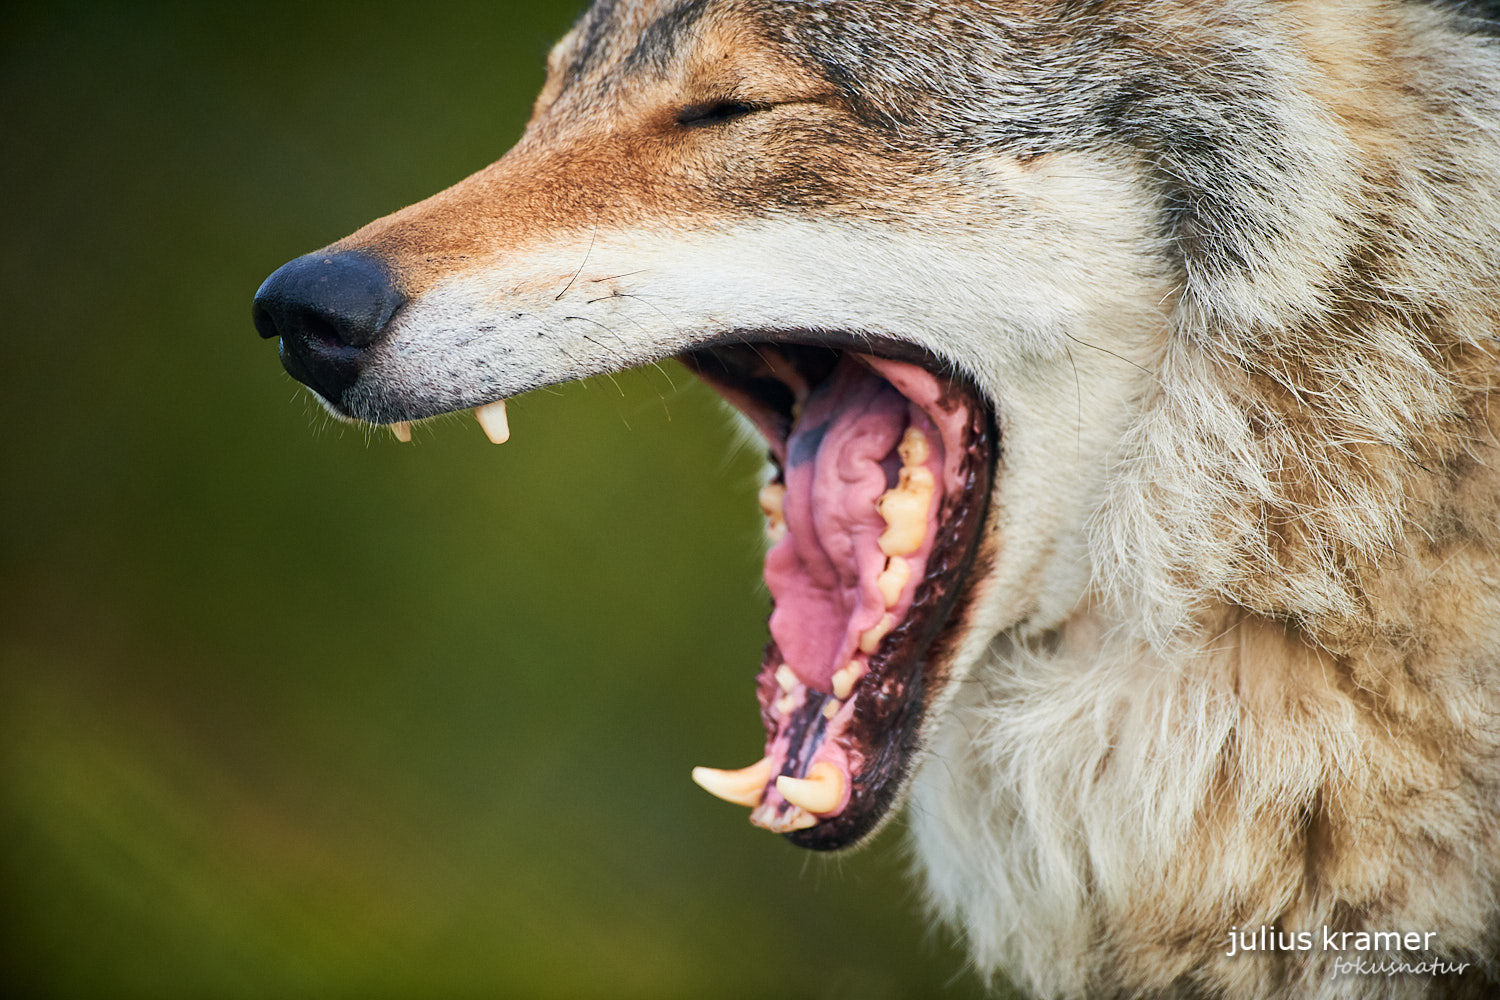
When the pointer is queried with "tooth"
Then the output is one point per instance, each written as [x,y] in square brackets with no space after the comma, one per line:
[869,639]
[491,417]
[831,708]
[904,509]
[891,582]
[744,787]
[786,678]
[799,820]
[913,448]
[401,430]
[845,679]
[916,478]
[820,792]
[773,501]
[785,704]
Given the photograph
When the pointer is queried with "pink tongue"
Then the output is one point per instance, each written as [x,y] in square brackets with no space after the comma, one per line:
[822,574]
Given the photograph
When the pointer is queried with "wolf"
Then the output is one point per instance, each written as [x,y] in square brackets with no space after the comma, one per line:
[1125,369]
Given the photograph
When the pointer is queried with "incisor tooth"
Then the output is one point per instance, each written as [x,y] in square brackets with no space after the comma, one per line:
[869,639]
[786,678]
[913,447]
[820,792]
[401,431]
[892,581]
[743,787]
[799,820]
[904,508]
[492,419]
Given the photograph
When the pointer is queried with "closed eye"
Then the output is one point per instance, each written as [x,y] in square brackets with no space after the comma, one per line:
[715,113]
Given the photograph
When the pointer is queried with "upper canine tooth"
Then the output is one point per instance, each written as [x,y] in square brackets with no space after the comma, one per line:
[743,787]
[913,448]
[401,430]
[820,792]
[904,508]
[892,581]
[491,417]
[786,678]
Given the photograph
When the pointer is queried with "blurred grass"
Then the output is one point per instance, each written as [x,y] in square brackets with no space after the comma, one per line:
[290,710]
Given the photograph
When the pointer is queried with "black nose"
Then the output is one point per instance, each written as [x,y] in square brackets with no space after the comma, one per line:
[327,309]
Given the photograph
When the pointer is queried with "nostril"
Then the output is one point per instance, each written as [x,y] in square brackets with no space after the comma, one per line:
[327,309]
[320,332]
[349,297]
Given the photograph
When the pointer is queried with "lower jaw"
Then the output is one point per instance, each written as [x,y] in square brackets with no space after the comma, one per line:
[839,743]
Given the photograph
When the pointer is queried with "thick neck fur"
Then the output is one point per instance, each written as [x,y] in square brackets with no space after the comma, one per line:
[1280,704]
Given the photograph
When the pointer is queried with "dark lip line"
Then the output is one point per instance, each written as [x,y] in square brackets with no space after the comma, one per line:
[382,411]
[880,345]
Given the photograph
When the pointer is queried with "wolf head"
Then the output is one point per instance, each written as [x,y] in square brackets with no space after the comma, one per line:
[1190,306]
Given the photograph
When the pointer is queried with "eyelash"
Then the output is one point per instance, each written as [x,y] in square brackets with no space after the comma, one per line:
[716,113]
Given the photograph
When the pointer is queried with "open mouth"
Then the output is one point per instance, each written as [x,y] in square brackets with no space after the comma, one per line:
[883,463]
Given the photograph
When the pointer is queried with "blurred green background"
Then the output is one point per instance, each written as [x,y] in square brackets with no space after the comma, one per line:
[292,710]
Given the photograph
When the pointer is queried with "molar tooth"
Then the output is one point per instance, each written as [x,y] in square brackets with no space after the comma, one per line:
[786,678]
[913,447]
[869,639]
[845,678]
[892,581]
[904,508]
[743,787]
[401,431]
[492,419]
[820,792]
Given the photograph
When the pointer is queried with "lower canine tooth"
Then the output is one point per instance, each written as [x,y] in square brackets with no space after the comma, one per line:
[401,431]
[744,787]
[831,708]
[820,792]
[492,419]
